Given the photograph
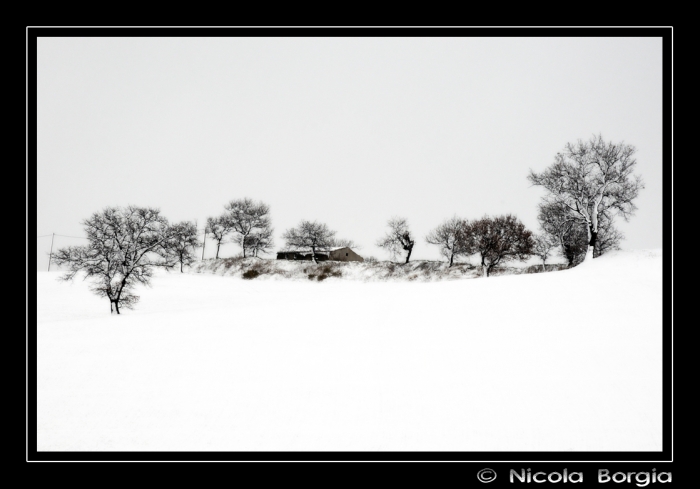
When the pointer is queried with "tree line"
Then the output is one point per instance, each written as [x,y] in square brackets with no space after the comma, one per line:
[589,183]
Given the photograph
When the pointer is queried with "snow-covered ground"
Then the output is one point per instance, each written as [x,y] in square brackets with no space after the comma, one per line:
[567,360]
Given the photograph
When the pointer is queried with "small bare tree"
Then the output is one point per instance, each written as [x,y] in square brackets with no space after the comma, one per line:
[183,242]
[563,228]
[449,237]
[544,247]
[591,178]
[571,234]
[124,246]
[312,236]
[398,238]
[260,241]
[498,240]
[219,228]
[247,218]
[608,237]
[342,243]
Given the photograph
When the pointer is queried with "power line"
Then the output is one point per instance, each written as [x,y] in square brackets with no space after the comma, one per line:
[79,237]
[62,235]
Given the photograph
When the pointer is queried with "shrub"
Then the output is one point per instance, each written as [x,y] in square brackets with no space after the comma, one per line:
[251,274]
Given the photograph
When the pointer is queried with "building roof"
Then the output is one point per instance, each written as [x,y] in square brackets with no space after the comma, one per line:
[325,250]
[302,251]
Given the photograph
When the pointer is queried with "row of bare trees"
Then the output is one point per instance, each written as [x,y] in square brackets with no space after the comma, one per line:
[495,240]
[588,185]
[248,222]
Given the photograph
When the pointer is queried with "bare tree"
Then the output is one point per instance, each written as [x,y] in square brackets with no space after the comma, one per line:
[571,234]
[219,228]
[498,240]
[563,228]
[608,236]
[590,178]
[182,242]
[342,243]
[124,246]
[398,238]
[247,218]
[544,247]
[313,236]
[449,237]
[260,241]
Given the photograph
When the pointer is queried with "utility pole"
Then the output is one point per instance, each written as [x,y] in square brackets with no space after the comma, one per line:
[50,252]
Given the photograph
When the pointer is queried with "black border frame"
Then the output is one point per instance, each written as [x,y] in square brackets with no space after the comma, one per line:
[494,458]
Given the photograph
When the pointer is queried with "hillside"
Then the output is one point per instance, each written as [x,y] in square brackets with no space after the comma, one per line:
[421,270]
[569,360]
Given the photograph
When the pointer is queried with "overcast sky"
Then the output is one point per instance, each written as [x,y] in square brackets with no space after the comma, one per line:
[346,131]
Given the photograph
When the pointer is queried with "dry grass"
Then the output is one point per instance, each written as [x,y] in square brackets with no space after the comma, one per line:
[420,270]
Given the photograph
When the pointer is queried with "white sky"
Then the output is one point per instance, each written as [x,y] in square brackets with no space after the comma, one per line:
[347,131]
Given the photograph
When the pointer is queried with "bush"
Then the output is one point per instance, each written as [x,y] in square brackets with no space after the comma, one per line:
[251,274]
[322,273]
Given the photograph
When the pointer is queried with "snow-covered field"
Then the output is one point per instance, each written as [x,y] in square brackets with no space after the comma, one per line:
[567,360]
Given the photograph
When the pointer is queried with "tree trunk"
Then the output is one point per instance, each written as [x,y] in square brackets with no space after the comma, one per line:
[408,257]
[452,257]
[592,240]
[181,266]
[593,230]
[484,267]
[544,269]
[313,255]
[217,250]
[116,306]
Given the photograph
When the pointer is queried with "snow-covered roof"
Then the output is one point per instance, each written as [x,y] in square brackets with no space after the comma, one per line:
[302,251]
[318,250]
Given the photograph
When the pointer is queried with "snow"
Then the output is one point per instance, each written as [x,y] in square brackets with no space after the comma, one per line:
[210,362]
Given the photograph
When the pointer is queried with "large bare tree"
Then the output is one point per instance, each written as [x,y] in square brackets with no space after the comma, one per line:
[590,178]
[124,246]
[312,236]
[449,237]
[398,238]
[498,240]
[183,242]
[247,218]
